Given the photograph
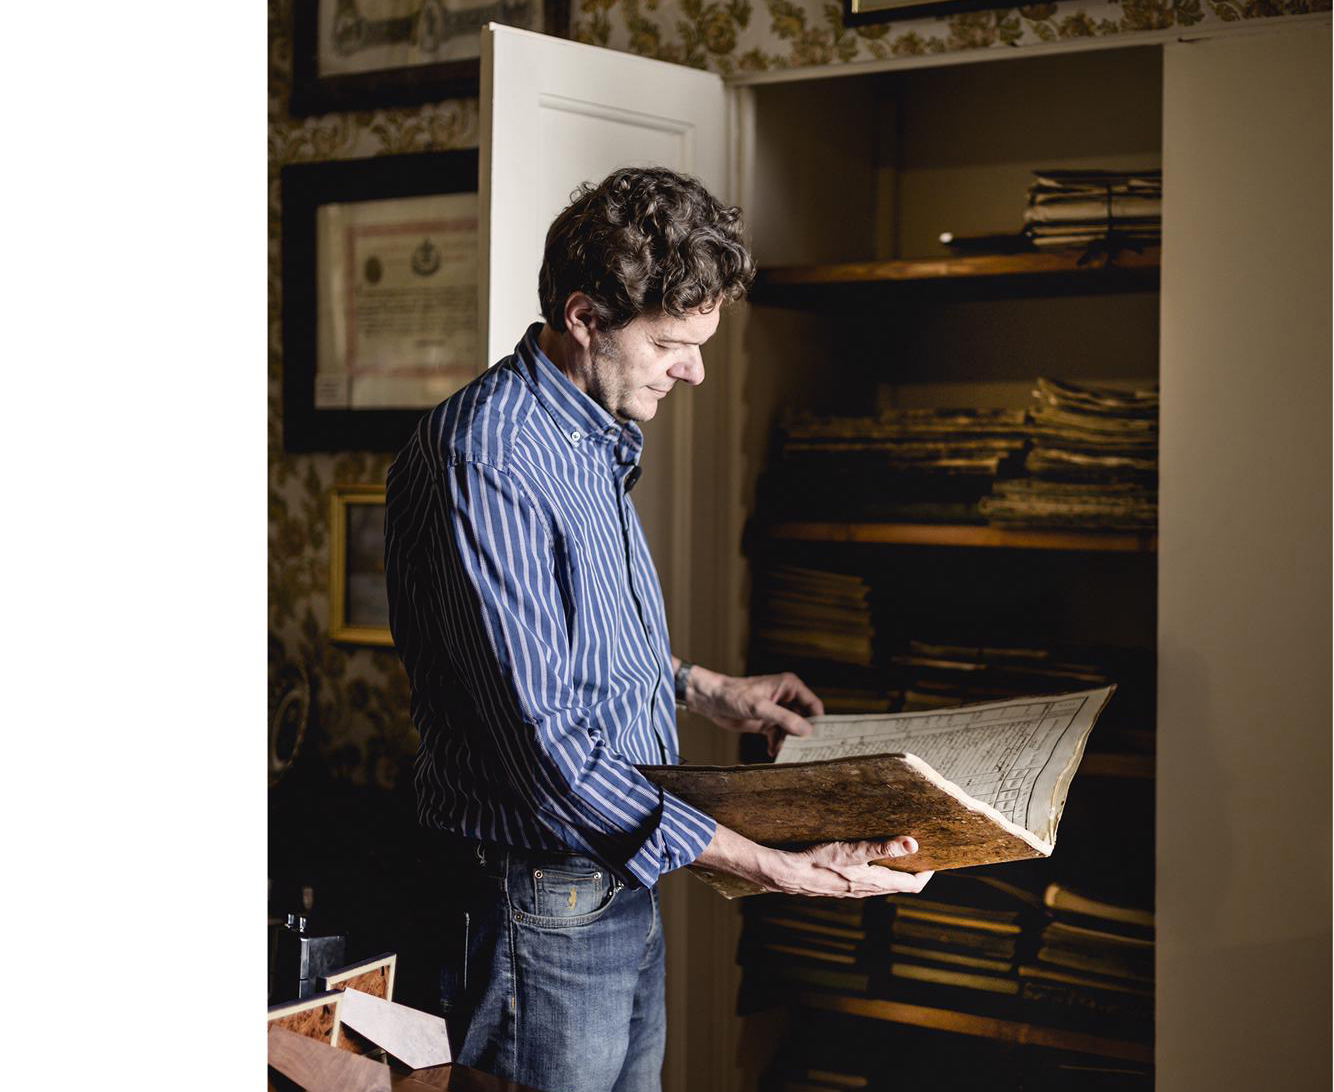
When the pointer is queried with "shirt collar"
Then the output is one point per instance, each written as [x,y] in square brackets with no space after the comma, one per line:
[577,416]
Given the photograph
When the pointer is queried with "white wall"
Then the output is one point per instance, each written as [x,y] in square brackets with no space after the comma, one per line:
[1244,566]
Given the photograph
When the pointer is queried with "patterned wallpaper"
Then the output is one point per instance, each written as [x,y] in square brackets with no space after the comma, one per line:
[360,724]
[736,36]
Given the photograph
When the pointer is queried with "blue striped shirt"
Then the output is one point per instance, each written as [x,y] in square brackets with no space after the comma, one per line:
[527,611]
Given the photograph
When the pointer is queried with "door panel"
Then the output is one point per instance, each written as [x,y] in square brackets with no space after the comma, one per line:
[555,114]
[1243,788]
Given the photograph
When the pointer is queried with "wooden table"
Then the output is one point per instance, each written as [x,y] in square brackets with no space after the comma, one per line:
[452,1078]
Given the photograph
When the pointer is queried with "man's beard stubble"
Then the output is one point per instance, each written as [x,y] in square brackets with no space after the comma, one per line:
[607,360]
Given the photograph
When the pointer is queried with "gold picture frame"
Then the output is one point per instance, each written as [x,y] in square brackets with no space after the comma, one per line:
[357,614]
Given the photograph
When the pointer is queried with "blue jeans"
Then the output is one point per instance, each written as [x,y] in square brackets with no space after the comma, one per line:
[561,984]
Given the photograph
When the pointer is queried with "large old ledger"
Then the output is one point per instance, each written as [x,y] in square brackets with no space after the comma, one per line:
[979,784]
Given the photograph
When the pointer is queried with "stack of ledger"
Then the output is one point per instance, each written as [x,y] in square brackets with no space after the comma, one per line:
[959,945]
[1074,208]
[942,675]
[1092,464]
[791,944]
[912,465]
[815,1079]
[814,615]
[1094,967]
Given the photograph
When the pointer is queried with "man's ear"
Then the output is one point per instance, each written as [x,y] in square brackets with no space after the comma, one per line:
[580,318]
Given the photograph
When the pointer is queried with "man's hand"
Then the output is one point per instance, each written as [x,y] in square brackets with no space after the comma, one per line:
[837,869]
[768,704]
[822,869]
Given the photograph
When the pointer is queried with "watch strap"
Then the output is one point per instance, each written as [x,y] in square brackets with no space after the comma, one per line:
[682,679]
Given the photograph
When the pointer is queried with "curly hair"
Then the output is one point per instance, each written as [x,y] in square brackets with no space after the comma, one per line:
[644,239]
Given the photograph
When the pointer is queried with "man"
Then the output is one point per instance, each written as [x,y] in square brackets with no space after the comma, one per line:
[528,614]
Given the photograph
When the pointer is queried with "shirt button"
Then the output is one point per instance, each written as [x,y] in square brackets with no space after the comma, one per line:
[575,435]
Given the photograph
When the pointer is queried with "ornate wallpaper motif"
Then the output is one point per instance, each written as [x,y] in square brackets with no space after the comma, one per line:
[360,722]
[733,36]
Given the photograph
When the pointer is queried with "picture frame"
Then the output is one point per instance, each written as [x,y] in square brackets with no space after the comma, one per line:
[374,976]
[350,55]
[350,205]
[358,599]
[866,12]
[319,1016]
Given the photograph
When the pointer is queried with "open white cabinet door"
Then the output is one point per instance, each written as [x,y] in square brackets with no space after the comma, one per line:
[554,114]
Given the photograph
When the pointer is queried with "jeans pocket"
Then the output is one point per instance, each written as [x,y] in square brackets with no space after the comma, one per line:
[562,893]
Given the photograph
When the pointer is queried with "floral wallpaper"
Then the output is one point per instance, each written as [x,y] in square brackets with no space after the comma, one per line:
[359,722]
[359,718]
[735,36]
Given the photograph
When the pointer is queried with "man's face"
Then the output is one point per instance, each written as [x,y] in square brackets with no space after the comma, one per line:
[634,368]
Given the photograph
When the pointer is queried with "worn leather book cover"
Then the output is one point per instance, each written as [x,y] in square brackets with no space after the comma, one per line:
[1016,757]
[850,799]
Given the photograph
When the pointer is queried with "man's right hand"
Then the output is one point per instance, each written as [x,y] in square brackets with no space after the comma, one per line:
[831,869]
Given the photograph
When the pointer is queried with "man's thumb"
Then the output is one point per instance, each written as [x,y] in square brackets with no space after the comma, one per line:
[899,847]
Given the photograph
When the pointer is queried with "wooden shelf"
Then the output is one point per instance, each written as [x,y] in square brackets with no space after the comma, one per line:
[962,534]
[1041,264]
[986,1027]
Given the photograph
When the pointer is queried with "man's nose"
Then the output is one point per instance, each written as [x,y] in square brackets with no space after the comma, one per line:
[689,371]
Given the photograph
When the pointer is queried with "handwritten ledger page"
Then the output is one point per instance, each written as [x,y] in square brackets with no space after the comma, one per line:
[1017,756]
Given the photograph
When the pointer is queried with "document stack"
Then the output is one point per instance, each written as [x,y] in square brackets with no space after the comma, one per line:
[809,614]
[851,699]
[959,945]
[790,945]
[1074,208]
[1092,464]
[940,675]
[1094,967]
[817,1079]
[916,465]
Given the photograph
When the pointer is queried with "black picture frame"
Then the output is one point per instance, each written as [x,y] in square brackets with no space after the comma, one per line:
[305,187]
[390,87]
[912,9]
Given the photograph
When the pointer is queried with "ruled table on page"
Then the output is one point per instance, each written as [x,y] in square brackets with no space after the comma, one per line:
[998,753]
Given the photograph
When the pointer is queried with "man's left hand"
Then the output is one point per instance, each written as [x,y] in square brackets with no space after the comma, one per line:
[770,705]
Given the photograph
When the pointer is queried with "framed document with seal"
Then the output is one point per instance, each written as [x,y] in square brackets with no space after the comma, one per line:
[363,54]
[380,296]
[397,307]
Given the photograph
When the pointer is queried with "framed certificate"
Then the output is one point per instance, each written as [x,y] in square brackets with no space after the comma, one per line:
[380,296]
[363,54]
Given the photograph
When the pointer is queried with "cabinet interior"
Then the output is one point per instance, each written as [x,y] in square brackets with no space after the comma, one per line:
[873,168]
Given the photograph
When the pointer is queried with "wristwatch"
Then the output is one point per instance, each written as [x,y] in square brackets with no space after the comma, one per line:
[682,679]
